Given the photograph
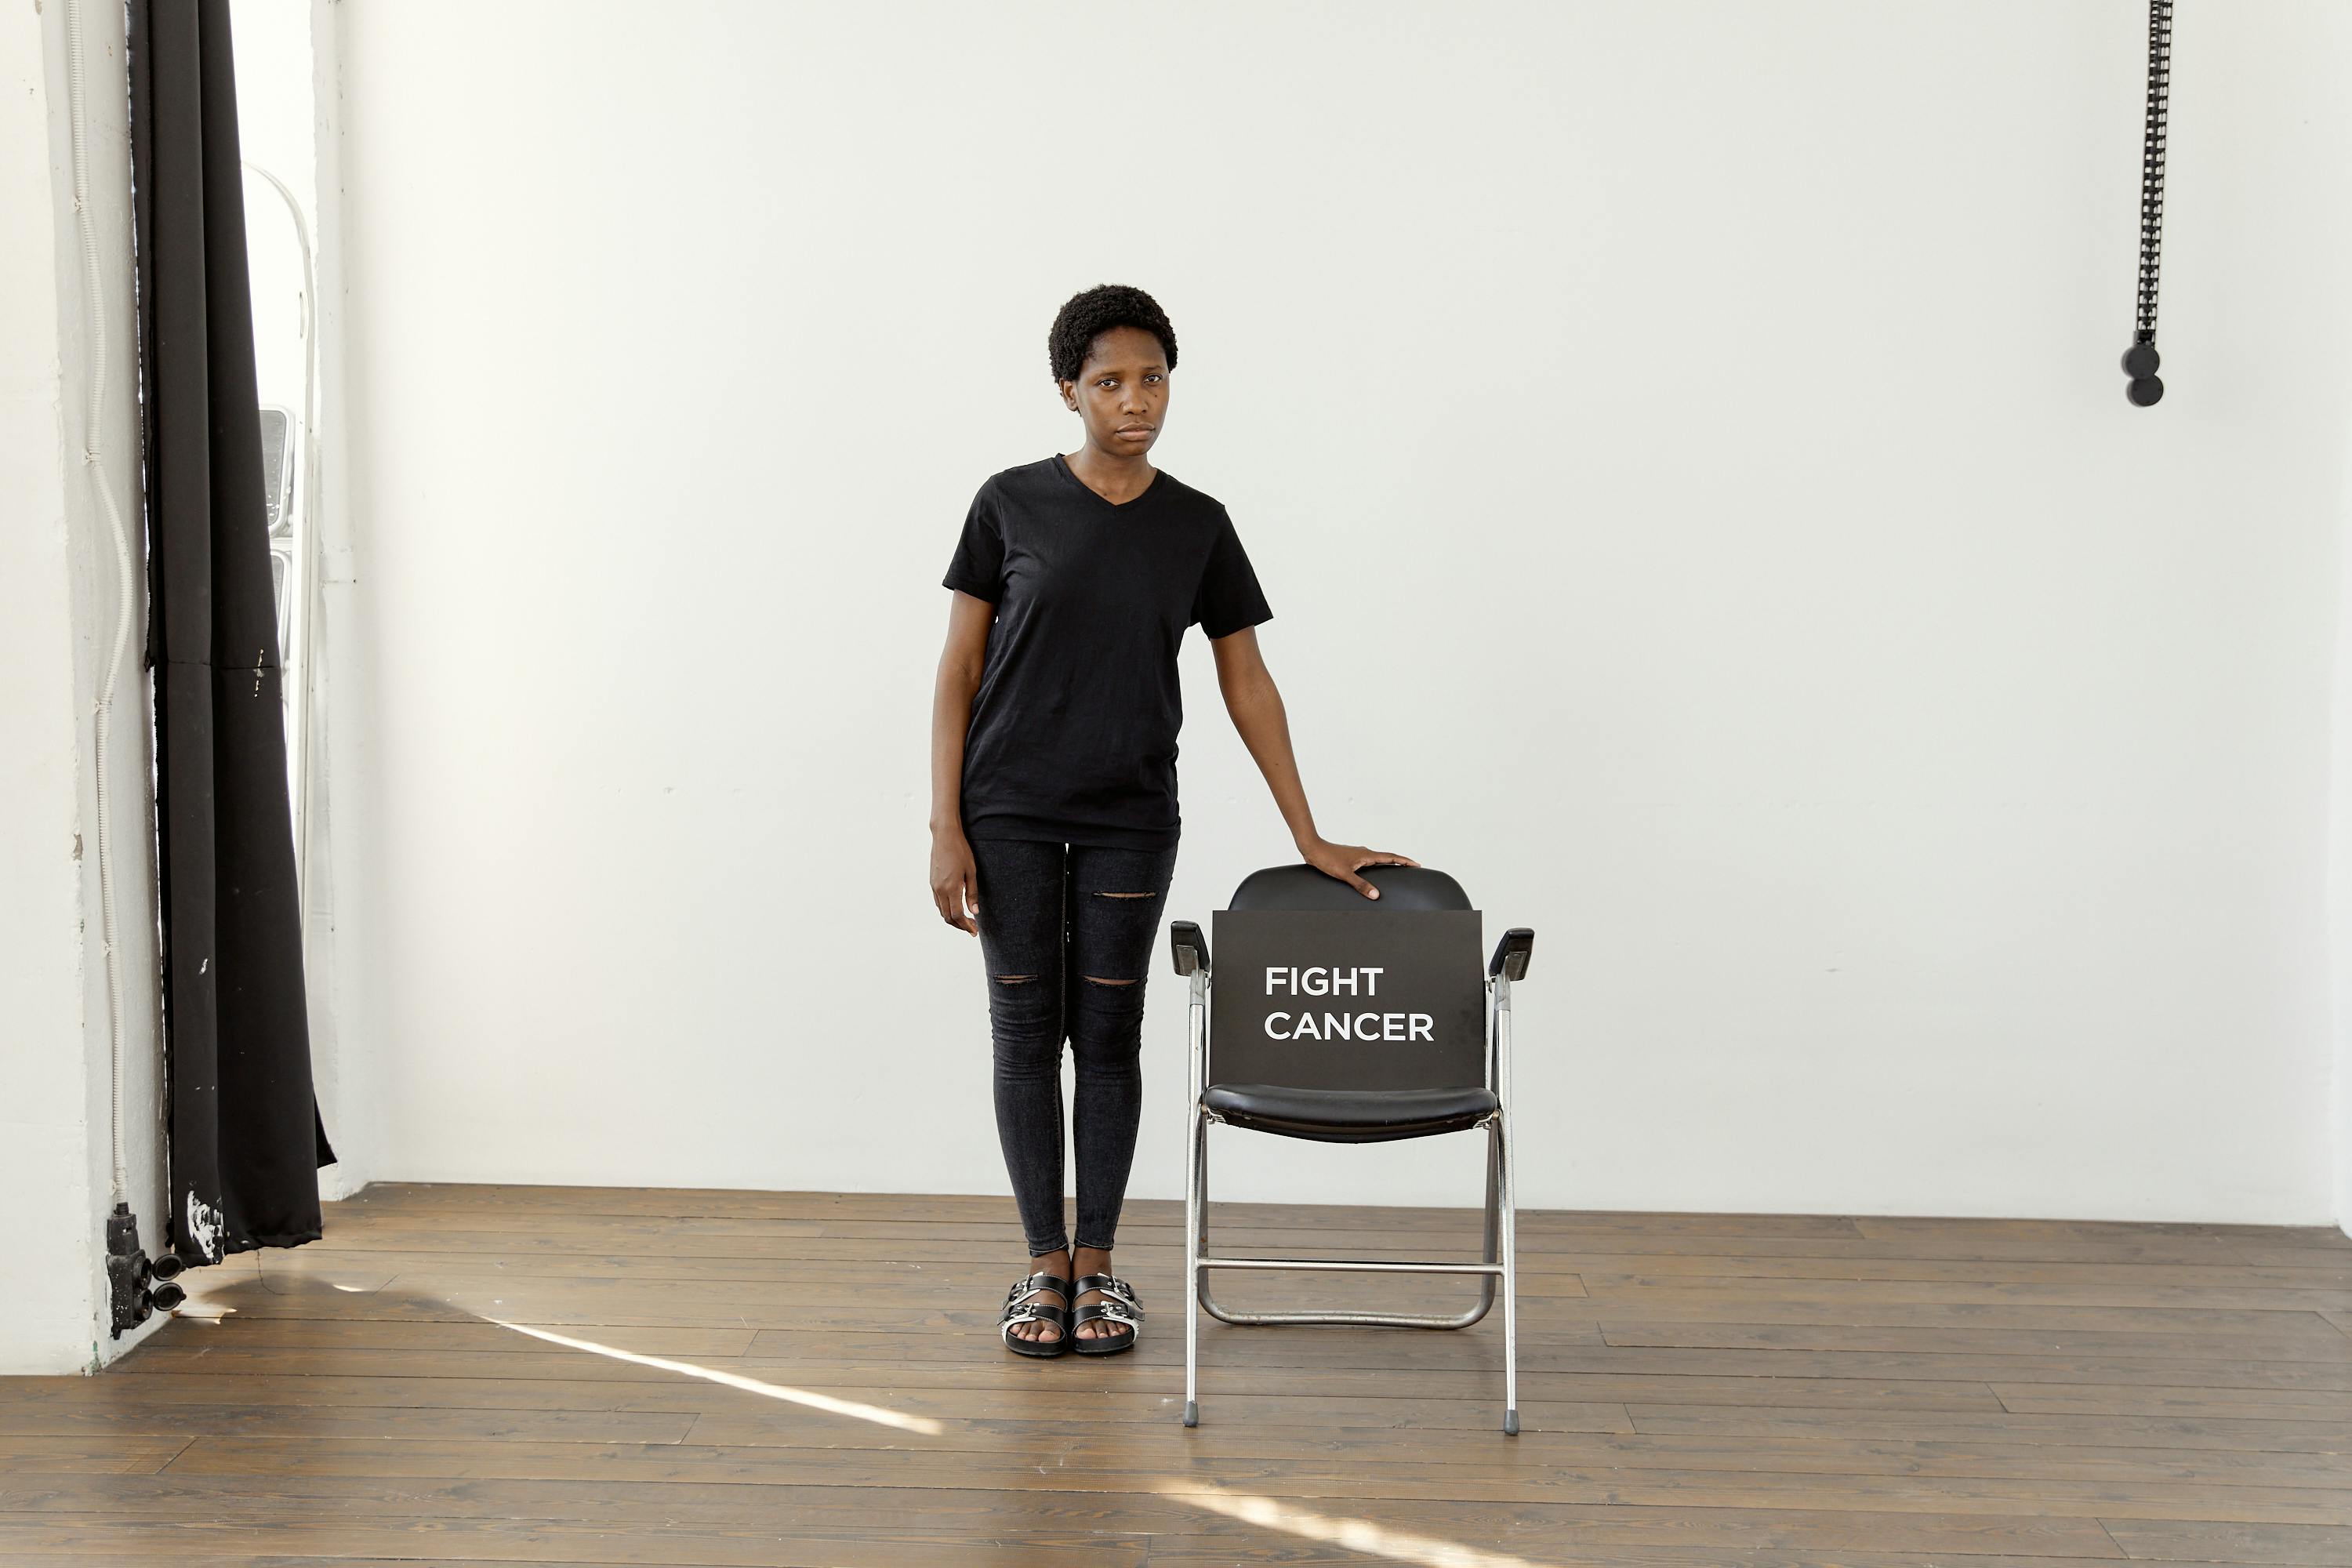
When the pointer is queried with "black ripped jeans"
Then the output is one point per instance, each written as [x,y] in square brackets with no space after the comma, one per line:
[1068,933]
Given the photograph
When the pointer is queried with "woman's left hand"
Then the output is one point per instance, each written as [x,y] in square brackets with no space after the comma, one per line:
[1343,860]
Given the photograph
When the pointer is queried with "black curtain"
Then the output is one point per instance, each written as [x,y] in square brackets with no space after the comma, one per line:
[245,1137]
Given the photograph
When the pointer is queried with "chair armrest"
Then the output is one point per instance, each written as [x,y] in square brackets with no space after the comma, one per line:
[1191,948]
[1511,954]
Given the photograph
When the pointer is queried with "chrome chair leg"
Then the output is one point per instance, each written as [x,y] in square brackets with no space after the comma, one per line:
[1507,1149]
[1196,1243]
[1510,1285]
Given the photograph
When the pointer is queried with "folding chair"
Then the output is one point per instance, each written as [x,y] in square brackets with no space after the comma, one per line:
[1414,1081]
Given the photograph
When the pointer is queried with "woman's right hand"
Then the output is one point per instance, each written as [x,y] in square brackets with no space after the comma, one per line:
[954,882]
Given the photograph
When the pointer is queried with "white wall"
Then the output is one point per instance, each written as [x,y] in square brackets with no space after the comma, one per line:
[60,575]
[1683,445]
[2340,860]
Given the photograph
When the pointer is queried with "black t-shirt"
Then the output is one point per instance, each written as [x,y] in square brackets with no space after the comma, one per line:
[1073,735]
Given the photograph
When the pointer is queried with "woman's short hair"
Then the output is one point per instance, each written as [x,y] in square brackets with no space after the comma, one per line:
[1089,315]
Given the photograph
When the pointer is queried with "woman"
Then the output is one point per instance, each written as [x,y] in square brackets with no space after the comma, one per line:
[1054,810]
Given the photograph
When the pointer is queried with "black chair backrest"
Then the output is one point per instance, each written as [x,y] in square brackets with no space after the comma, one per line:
[1317,986]
[1302,886]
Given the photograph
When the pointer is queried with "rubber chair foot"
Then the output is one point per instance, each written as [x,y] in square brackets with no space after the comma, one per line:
[1510,1423]
[1192,1413]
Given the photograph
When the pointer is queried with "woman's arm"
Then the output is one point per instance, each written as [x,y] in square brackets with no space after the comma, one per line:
[953,884]
[1257,713]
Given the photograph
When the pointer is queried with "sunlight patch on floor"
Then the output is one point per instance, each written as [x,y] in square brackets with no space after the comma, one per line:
[1353,1534]
[824,1402]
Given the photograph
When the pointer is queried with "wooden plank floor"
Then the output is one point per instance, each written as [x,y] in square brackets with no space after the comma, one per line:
[502,1375]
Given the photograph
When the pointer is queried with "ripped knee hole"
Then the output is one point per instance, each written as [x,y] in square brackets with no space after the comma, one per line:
[1098,980]
[1122,895]
[1015,979]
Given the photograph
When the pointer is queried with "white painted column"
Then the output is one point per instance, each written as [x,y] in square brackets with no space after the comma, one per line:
[63,601]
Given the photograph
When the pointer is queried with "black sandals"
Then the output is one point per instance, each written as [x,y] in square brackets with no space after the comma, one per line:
[1118,1306]
[1021,1305]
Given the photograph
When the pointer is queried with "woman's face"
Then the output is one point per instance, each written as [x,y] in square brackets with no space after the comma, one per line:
[1121,392]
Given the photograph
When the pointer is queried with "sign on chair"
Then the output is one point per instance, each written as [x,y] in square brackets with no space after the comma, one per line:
[1348,999]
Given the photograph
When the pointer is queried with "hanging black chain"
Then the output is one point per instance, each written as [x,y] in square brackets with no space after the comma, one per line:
[2140,360]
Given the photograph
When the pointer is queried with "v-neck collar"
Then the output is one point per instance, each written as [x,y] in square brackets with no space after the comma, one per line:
[1062,467]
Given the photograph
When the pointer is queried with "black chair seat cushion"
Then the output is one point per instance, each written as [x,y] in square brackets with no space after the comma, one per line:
[1349,1115]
